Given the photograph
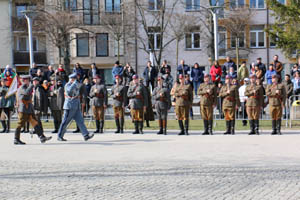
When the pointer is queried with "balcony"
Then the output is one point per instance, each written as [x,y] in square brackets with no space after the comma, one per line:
[22,57]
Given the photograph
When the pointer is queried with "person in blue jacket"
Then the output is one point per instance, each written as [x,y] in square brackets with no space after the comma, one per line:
[117,70]
[197,77]
[269,74]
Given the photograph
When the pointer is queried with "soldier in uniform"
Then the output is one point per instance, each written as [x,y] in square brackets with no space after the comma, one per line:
[162,102]
[277,97]
[231,102]
[56,102]
[255,94]
[118,93]
[208,101]
[6,104]
[99,97]
[184,99]
[72,110]
[82,98]
[138,103]
[26,111]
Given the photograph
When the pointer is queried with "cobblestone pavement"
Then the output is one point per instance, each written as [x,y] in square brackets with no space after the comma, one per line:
[152,167]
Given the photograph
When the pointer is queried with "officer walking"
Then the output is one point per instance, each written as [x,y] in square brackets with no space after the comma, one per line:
[208,101]
[231,102]
[26,112]
[99,97]
[72,110]
[138,103]
[255,94]
[118,93]
[162,102]
[184,99]
[277,97]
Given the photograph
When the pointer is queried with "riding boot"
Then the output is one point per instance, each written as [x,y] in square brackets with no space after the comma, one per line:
[164,122]
[27,128]
[278,123]
[39,131]
[8,126]
[228,125]
[118,125]
[122,125]
[210,125]
[186,124]
[136,126]
[101,126]
[180,122]
[274,132]
[205,123]
[256,126]
[147,123]
[160,127]
[3,126]
[141,126]
[17,137]
[232,127]
[252,127]
[97,126]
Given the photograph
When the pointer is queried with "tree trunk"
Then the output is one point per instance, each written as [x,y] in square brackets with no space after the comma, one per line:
[67,60]
[177,51]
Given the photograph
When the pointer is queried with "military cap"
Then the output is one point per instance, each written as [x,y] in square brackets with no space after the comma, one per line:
[135,77]
[74,75]
[36,79]
[25,77]
[228,77]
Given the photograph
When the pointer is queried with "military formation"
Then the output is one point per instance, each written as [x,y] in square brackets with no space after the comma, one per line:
[69,99]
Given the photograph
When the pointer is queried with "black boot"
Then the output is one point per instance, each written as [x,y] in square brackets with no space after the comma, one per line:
[3,126]
[39,131]
[55,127]
[210,125]
[164,122]
[118,125]
[228,125]
[256,126]
[136,126]
[186,125]
[101,126]
[77,130]
[232,127]
[26,130]
[147,123]
[278,123]
[141,126]
[205,123]
[251,123]
[180,122]
[160,127]
[8,126]
[122,125]
[97,126]
[17,140]
[274,132]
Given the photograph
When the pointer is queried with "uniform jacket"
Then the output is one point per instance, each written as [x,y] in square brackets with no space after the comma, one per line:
[72,96]
[99,96]
[168,81]
[288,88]
[232,99]
[137,101]
[40,99]
[184,95]
[24,99]
[255,99]
[118,93]
[162,102]
[276,99]
[82,93]
[207,99]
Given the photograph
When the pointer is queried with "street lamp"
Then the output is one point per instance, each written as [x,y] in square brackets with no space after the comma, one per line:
[28,15]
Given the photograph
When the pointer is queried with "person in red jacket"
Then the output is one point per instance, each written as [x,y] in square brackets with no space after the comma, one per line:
[216,72]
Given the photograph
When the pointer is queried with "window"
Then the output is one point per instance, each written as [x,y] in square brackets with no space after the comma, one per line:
[154,38]
[70,4]
[20,8]
[82,44]
[22,44]
[102,44]
[220,11]
[121,47]
[112,5]
[155,4]
[241,39]
[90,12]
[192,38]
[222,41]
[237,4]
[192,5]
[257,36]
[259,4]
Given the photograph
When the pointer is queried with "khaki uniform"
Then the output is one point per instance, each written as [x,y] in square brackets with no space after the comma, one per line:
[207,102]
[230,102]
[255,94]
[184,101]
[118,93]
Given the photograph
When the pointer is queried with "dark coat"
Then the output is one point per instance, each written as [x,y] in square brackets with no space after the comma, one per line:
[40,99]
[153,74]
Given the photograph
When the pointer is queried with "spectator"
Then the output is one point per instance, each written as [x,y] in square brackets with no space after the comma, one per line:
[9,75]
[128,74]
[197,77]
[40,75]
[92,72]
[88,87]
[164,66]
[243,73]
[278,67]
[232,73]
[61,74]
[168,80]
[258,72]
[182,68]
[33,70]
[79,71]
[49,73]
[243,100]
[289,92]
[226,67]
[261,66]
[117,70]
[269,74]
[216,72]
[149,75]
[296,84]
[294,69]
[252,68]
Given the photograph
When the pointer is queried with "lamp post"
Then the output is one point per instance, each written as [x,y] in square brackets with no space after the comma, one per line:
[28,15]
